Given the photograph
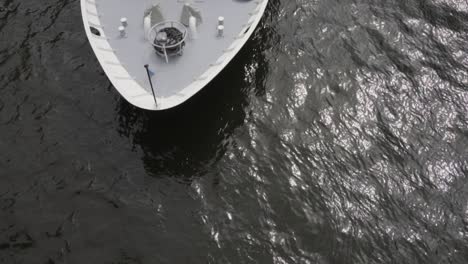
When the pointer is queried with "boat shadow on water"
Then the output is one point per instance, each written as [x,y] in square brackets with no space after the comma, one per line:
[186,141]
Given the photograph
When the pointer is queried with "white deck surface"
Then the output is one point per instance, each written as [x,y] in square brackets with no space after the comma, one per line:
[171,78]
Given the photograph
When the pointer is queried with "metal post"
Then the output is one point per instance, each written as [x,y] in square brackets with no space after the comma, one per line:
[151,84]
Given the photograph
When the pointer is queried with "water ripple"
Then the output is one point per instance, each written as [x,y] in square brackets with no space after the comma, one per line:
[339,134]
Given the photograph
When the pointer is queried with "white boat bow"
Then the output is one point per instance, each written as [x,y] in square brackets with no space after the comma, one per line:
[213,32]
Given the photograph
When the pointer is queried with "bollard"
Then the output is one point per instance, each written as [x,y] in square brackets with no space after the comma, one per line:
[123,21]
[122,31]
[220,21]
[220,31]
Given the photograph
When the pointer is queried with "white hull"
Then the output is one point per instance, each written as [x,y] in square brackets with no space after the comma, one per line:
[123,59]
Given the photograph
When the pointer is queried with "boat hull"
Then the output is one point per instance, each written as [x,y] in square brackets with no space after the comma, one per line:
[136,90]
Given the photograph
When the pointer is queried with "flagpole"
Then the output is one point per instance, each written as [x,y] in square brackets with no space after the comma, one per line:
[151,84]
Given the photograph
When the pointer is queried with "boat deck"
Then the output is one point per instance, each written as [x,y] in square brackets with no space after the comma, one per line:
[134,51]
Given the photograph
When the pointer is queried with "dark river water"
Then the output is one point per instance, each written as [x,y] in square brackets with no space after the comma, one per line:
[339,134]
